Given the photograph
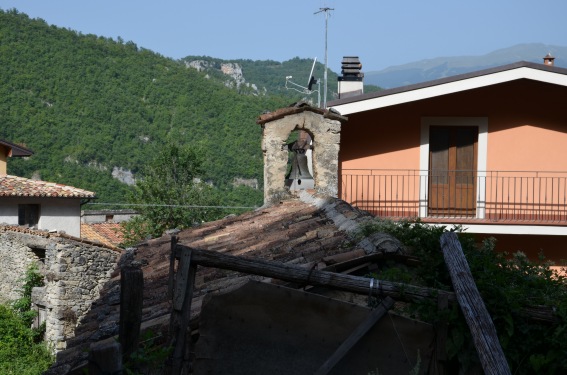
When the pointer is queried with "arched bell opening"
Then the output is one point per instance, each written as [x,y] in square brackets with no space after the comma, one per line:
[299,174]
[323,128]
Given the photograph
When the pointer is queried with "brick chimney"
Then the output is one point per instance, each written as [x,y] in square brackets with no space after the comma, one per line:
[549,60]
[324,129]
[351,81]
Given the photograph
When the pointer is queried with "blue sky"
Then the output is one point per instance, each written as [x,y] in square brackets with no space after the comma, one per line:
[381,33]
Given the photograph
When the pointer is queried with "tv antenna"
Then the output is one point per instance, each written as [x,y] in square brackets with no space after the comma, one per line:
[308,90]
[326,10]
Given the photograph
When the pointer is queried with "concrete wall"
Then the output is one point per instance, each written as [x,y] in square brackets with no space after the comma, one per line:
[527,128]
[102,216]
[3,159]
[59,214]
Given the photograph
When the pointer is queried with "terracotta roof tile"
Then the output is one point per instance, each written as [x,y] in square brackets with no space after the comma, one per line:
[13,186]
[295,108]
[105,233]
[295,231]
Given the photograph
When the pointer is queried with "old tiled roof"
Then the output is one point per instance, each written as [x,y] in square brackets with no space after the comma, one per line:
[13,186]
[295,108]
[301,232]
[105,233]
[54,235]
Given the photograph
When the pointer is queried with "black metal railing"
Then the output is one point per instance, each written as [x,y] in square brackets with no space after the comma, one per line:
[491,195]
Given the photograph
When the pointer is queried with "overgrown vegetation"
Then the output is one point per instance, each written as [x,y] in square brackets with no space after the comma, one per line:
[508,283]
[171,194]
[21,348]
[150,357]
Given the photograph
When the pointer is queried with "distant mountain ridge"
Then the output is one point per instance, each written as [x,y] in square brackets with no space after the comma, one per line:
[440,67]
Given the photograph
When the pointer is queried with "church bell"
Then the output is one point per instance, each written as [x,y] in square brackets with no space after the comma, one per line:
[299,177]
[299,167]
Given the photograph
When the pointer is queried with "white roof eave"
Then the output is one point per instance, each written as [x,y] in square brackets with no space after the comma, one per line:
[451,87]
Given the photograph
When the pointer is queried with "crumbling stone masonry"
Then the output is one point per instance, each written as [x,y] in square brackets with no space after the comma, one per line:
[74,273]
[17,252]
[323,126]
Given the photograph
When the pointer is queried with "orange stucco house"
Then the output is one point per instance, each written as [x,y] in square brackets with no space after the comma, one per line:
[486,149]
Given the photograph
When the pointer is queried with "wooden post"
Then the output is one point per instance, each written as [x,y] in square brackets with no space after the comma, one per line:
[181,314]
[105,358]
[477,317]
[131,302]
[171,267]
[355,336]
[441,330]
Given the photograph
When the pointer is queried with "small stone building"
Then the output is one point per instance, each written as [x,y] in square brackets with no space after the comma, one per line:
[324,128]
[74,271]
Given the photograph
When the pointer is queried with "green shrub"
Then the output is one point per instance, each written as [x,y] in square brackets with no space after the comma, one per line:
[22,351]
[508,285]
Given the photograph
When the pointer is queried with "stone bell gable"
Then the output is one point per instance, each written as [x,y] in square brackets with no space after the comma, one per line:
[323,126]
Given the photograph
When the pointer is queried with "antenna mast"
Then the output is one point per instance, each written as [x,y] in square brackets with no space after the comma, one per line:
[326,10]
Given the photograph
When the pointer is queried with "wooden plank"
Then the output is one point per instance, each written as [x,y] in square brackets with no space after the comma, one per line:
[477,317]
[357,334]
[170,281]
[181,279]
[131,303]
[441,332]
[300,275]
[180,318]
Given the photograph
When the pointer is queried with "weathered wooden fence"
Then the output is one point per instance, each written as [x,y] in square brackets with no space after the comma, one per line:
[182,282]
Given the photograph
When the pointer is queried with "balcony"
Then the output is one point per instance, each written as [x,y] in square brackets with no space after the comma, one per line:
[495,197]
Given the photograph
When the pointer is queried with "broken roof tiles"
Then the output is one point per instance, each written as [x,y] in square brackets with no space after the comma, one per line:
[302,232]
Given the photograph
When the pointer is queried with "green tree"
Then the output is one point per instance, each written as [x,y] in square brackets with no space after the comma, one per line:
[171,194]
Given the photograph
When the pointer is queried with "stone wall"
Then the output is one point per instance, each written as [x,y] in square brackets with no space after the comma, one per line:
[16,255]
[74,273]
[324,129]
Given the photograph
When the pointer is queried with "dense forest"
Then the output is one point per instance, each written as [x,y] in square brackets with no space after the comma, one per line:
[89,106]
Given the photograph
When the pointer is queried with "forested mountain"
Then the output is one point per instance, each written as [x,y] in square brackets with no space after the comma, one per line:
[89,106]
[95,110]
[268,76]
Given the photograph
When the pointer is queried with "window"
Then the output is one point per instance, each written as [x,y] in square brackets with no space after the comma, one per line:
[28,214]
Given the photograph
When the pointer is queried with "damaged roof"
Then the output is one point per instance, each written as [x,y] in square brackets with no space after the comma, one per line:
[307,232]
